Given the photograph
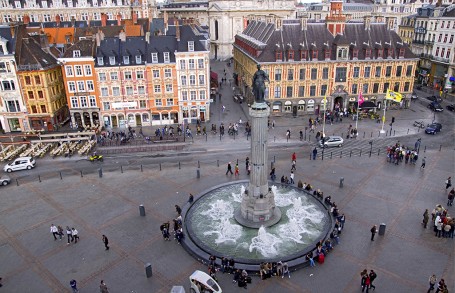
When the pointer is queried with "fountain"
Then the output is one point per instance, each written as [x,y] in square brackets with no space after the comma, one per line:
[251,221]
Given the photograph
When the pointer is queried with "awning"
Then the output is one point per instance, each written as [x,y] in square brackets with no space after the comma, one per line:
[213,75]
[368,105]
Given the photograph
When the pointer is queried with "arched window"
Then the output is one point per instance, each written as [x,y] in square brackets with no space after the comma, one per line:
[310,106]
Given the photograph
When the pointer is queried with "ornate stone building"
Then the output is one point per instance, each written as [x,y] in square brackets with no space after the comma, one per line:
[307,61]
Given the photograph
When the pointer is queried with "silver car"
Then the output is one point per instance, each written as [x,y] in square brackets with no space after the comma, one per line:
[20,164]
[5,180]
[331,141]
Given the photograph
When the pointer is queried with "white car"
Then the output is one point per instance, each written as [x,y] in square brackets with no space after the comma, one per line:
[331,141]
[20,164]
[5,180]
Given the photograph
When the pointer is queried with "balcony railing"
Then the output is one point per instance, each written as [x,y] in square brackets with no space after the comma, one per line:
[427,42]
[440,59]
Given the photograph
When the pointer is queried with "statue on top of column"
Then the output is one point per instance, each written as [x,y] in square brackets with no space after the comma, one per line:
[259,79]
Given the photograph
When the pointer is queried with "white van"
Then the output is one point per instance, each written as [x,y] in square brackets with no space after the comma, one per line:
[203,283]
[20,164]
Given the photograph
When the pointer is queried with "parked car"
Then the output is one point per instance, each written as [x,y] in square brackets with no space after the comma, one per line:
[451,107]
[331,141]
[5,180]
[436,107]
[436,99]
[20,164]
[433,128]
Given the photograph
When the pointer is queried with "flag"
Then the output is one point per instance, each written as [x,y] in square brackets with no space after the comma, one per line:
[394,96]
[360,99]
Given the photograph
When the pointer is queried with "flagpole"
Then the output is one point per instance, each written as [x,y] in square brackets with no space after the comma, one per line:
[323,120]
[357,116]
[383,116]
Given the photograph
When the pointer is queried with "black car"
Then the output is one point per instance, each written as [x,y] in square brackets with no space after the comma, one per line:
[433,128]
[434,106]
[451,107]
[436,99]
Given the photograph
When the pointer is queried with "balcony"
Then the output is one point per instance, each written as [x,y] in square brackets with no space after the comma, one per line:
[428,42]
[417,42]
[426,56]
[440,59]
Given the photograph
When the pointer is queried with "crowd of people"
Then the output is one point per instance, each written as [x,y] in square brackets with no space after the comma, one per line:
[398,153]
[177,226]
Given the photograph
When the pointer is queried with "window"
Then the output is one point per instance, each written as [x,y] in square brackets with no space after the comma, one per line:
[388,71]
[102,76]
[183,79]
[277,74]
[291,55]
[193,95]
[4,66]
[83,102]
[290,74]
[92,101]
[154,57]
[106,105]
[396,87]
[355,54]
[168,88]
[28,80]
[367,53]
[327,54]
[302,74]
[378,71]
[191,46]
[8,85]
[84,16]
[386,87]
[71,86]
[325,73]
[139,74]
[201,79]
[114,75]
[166,57]
[365,88]
[167,73]
[354,89]
[69,70]
[158,102]
[406,86]
[81,86]
[356,72]
[157,88]
[182,64]
[138,59]
[90,86]
[128,75]
[185,96]
[314,73]
[129,90]
[301,91]
[43,108]
[112,60]
[342,53]
[312,91]
[104,92]
[142,104]
[34,110]
[380,53]
[200,63]
[277,92]
[156,73]
[191,64]
[289,90]
[88,70]
[409,70]
[278,56]
[323,90]
[116,91]
[37,79]
[74,102]
[76,53]
[100,61]
[310,106]
[303,55]
[170,101]
[366,74]
[399,70]
[375,88]
[40,95]
[340,74]
[192,79]
[13,106]
[448,53]
[141,89]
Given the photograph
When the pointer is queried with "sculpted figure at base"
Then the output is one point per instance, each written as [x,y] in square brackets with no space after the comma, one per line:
[259,79]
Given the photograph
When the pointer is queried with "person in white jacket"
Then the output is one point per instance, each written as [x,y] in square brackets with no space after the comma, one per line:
[74,234]
[54,231]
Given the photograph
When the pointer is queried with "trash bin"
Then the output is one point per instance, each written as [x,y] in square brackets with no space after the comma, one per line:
[198,173]
[142,210]
[341,181]
[148,270]
[382,229]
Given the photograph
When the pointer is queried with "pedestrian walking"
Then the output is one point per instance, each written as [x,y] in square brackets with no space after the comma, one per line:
[432,280]
[73,285]
[106,242]
[373,232]
[448,183]
[69,234]
[236,170]
[291,177]
[229,168]
[74,233]
[294,157]
[60,231]
[247,163]
[293,167]
[288,134]
[103,287]
[423,163]
[191,198]
[178,210]
[54,231]
[450,197]
[315,153]
[425,218]
[373,276]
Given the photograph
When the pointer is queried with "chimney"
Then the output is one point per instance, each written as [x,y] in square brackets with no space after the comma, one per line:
[177,30]
[367,22]
[103,19]
[303,24]
[278,23]
[134,17]
[122,36]
[73,21]
[98,39]
[166,20]
[101,35]
[147,37]
[57,20]
[26,19]
[44,41]
[119,19]
[13,30]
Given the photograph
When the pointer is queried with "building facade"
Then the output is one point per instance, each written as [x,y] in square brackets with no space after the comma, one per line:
[339,60]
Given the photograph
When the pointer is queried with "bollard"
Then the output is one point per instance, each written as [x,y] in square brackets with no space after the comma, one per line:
[379,150]
[382,229]
[217,163]
[440,147]
[198,164]
[330,155]
[141,210]
[198,173]
[408,131]
[371,134]
[142,169]
[100,172]
[364,134]
[342,135]
[341,181]
[274,139]
[160,166]
[287,138]
[17,182]
[379,133]
[61,176]
[425,149]
[418,129]
[274,159]
[81,174]
[394,133]
[350,153]
[148,270]
[206,137]
[121,169]
[360,152]
[39,178]
[179,165]
[310,157]
[341,154]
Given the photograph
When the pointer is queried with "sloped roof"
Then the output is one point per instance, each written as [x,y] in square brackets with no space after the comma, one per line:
[5,33]
[86,47]
[31,55]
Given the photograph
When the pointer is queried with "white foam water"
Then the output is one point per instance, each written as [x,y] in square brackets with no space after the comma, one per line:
[265,243]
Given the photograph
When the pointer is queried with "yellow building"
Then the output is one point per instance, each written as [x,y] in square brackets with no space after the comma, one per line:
[406,29]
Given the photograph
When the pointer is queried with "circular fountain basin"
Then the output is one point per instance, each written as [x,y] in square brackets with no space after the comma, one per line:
[211,228]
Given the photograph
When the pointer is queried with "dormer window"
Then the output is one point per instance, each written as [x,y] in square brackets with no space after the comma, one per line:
[367,53]
[100,61]
[314,54]
[327,54]
[355,53]
[401,52]
[138,59]
[190,46]
[166,57]
[76,53]
[291,55]
[380,53]
[126,59]
[303,55]
[112,60]
[278,56]
[44,4]
[342,54]
[154,57]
